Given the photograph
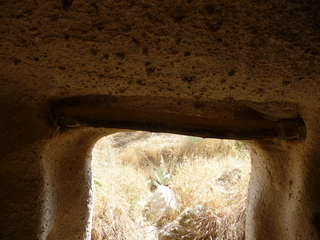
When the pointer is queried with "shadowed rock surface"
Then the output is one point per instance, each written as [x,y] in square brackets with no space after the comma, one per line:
[73,71]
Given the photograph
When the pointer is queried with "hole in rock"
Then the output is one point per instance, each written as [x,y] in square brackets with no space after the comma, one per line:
[154,185]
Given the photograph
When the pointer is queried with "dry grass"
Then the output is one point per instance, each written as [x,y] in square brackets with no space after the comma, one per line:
[209,172]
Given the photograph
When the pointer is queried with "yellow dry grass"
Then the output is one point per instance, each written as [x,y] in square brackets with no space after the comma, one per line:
[209,172]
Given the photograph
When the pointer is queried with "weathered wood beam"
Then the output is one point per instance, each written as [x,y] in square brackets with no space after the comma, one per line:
[240,129]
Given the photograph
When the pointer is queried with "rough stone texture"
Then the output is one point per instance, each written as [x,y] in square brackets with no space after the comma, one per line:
[188,218]
[173,231]
[238,59]
[228,180]
[185,226]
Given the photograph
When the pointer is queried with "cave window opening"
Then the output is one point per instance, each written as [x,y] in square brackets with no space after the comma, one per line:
[154,185]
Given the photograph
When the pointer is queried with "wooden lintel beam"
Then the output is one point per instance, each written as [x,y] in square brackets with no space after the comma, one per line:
[240,129]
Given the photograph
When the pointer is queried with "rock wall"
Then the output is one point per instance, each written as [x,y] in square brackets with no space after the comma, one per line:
[221,61]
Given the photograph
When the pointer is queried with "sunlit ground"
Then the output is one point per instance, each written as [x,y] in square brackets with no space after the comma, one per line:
[207,172]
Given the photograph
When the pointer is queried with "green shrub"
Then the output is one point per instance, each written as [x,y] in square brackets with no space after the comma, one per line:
[161,177]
